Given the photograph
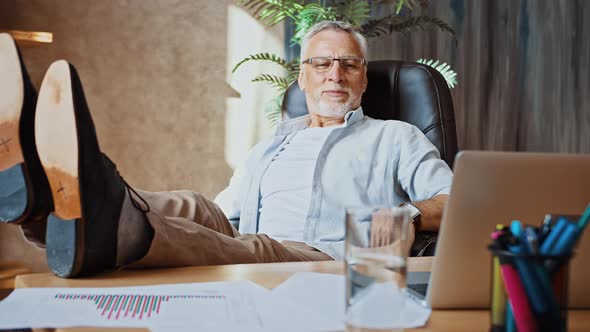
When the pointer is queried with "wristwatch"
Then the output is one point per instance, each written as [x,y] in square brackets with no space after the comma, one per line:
[414,213]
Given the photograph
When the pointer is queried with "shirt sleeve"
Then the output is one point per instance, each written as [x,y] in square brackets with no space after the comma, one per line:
[421,172]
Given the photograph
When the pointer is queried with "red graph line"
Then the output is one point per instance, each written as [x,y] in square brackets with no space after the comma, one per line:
[106,304]
[121,307]
[137,304]
[115,304]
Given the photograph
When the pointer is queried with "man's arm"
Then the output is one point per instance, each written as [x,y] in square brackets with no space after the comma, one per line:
[431,212]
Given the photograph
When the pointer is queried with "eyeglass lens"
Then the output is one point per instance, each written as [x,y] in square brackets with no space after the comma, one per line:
[325,63]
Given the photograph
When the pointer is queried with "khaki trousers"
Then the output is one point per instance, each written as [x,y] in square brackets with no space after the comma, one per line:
[190,230]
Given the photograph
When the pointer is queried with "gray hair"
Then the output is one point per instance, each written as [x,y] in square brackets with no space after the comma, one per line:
[337,26]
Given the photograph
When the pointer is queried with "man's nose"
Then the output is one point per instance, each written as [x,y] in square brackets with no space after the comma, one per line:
[336,72]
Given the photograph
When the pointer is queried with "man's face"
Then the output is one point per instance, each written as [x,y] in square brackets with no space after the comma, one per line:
[334,92]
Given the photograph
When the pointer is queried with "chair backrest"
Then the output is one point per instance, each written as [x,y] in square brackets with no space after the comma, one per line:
[398,90]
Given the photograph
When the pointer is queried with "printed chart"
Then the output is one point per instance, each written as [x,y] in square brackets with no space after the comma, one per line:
[115,306]
[210,306]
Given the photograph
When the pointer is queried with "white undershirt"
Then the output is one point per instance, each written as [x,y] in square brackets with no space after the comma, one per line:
[286,186]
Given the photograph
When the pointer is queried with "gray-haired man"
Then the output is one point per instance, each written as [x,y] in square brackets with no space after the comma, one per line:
[289,195]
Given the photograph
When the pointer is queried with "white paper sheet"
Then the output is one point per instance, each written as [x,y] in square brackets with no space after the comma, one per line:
[325,293]
[319,293]
[219,306]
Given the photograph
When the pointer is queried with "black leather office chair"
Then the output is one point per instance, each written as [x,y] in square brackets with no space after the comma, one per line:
[406,91]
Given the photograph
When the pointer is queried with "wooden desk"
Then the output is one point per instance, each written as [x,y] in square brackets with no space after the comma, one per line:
[8,273]
[271,275]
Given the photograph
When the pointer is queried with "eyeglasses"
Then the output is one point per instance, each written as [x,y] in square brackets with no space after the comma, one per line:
[323,63]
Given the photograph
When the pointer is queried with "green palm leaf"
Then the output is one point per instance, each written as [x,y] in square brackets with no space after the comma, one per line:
[400,4]
[265,57]
[379,27]
[422,23]
[310,14]
[293,71]
[404,24]
[271,12]
[278,82]
[446,71]
[353,11]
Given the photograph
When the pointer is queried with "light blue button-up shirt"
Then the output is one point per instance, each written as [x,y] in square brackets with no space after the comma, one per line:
[365,163]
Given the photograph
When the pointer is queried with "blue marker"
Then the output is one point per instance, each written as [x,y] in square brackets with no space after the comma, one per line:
[553,236]
[563,245]
[566,241]
[530,240]
[585,218]
[510,324]
[516,228]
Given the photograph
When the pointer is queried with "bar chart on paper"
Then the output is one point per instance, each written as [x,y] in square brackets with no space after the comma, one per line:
[196,305]
[135,306]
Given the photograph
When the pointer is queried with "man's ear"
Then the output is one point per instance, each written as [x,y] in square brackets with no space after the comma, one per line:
[301,81]
[365,82]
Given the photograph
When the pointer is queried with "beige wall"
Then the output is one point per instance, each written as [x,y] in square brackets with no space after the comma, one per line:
[154,75]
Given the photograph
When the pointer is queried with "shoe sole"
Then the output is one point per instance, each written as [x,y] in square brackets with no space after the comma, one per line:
[11,85]
[57,140]
[57,144]
[13,202]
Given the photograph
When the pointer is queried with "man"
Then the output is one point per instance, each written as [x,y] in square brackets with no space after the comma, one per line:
[289,196]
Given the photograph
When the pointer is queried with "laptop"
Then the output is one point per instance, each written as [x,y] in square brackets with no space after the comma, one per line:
[492,188]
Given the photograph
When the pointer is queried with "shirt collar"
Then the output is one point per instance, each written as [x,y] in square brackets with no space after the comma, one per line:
[289,126]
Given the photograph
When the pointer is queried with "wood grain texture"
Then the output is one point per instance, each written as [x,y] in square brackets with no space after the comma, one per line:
[523,69]
[268,275]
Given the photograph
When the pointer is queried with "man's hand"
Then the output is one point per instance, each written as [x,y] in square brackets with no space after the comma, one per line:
[386,232]
[431,212]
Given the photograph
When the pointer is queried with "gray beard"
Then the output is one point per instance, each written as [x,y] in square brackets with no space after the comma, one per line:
[334,110]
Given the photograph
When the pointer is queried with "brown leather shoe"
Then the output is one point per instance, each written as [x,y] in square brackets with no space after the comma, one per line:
[24,190]
[88,192]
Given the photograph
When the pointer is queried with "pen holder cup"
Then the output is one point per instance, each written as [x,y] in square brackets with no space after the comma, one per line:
[528,292]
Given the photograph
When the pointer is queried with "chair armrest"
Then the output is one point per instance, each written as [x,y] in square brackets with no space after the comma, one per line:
[424,244]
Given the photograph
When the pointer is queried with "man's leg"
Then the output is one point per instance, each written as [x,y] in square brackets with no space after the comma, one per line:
[190,230]
[98,222]
[88,193]
[189,205]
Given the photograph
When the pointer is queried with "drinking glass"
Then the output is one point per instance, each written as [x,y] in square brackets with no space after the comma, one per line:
[377,248]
